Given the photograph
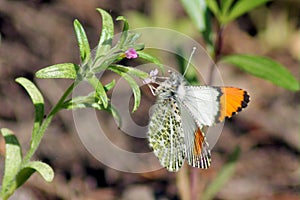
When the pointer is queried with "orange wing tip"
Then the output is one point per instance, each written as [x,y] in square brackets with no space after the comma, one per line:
[232,100]
[244,103]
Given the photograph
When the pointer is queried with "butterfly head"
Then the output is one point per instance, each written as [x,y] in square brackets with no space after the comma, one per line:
[167,86]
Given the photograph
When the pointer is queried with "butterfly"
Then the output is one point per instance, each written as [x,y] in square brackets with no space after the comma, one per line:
[181,112]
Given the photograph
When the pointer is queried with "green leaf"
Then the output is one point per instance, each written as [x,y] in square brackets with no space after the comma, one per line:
[134,86]
[91,101]
[63,70]
[130,71]
[196,10]
[110,85]
[213,6]
[240,8]
[264,68]
[107,33]
[139,46]
[151,59]
[225,6]
[83,43]
[223,176]
[34,166]
[114,112]
[13,159]
[126,24]
[131,40]
[124,31]
[100,91]
[37,100]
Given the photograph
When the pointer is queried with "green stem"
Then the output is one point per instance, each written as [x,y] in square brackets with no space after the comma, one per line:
[36,139]
[40,133]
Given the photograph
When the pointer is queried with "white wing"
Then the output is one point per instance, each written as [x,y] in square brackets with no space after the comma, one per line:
[166,134]
[203,104]
[197,150]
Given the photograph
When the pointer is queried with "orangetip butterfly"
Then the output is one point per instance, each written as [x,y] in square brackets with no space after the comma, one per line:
[180,113]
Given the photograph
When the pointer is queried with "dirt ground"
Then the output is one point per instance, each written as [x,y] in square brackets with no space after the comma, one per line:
[39,33]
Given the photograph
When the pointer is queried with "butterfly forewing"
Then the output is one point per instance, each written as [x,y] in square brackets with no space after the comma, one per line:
[202,103]
[166,134]
[232,100]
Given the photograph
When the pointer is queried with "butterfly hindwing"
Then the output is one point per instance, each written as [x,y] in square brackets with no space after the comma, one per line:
[166,134]
[197,150]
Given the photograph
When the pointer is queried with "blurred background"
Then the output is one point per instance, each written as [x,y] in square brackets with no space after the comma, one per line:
[38,33]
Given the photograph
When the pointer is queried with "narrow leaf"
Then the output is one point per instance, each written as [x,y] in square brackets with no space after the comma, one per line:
[264,68]
[42,168]
[63,70]
[196,10]
[114,112]
[130,70]
[241,7]
[151,59]
[131,40]
[100,91]
[226,172]
[124,31]
[91,101]
[126,24]
[83,43]
[107,33]
[37,100]
[134,86]
[13,159]
[225,6]
[213,6]
[110,85]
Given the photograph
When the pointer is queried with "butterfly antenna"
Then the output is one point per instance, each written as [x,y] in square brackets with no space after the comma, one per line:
[188,64]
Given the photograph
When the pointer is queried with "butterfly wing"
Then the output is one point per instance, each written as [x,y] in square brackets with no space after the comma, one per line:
[197,150]
[232,101]
[210,105]
[165,134]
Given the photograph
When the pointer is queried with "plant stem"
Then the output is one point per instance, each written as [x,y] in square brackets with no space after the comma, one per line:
[40,133]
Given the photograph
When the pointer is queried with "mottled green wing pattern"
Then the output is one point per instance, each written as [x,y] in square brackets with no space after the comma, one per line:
[166,134]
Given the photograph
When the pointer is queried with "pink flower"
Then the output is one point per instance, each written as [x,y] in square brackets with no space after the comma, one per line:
[131,53]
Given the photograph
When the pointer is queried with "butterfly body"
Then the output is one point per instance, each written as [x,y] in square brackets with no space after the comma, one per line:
[180,113]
